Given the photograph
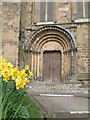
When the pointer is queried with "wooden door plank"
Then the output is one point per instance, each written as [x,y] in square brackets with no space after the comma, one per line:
[56,66]
[47,66]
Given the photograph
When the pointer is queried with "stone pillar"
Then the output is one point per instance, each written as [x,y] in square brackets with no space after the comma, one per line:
[35,60]
[29,59]
[66,65]
[73,67]
[32,62]
[68,68]
[41,65]
[65,68]
[37,64]
[26,57]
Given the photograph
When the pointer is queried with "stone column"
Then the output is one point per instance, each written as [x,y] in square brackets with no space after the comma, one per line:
[30,59]
[26,57]
[68,66]
[73,67]
[38,64]
[32,62]
[35,60]
[65,66]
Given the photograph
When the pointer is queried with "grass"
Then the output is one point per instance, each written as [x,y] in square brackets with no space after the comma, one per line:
[33,108]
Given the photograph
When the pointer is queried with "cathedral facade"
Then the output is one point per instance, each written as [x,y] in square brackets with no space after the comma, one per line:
[51,37]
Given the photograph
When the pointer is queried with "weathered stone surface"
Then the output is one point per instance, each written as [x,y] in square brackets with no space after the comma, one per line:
[10,31]
[29,13]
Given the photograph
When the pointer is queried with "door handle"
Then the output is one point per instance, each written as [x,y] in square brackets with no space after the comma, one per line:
[53,69]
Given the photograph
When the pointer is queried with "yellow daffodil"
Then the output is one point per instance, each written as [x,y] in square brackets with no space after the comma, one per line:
[14,73]
[1,70]
[4,60]
[6,78]
[9,73]
[3,64]
[27,68]
[19,83]
[1,59]
[26,80]
[9,66]
[31,74]
[23,74]
[6,74]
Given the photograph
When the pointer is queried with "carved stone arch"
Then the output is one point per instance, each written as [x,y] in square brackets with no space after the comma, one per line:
[56,36]
[48,35]
[60,29]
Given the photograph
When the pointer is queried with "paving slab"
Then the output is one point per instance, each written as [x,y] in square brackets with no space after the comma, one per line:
[61,100]
[62,106]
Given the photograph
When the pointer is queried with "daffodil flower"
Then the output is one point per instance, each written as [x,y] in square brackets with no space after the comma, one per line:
[23,74]
[27,68]
[31,74]
[9,66]
[26,80]
[14,73]
[19,83]
[8,72]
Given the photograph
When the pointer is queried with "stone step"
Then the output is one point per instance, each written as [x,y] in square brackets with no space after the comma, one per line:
[40,83]
[51,87]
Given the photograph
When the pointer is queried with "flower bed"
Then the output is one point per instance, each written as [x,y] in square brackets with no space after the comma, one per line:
[12,91]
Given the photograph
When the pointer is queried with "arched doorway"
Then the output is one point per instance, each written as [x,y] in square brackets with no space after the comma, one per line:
[49,41]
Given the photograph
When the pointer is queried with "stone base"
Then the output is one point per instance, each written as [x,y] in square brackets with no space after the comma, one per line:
[74,80]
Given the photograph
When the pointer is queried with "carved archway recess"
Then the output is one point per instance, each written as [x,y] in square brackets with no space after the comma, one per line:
[52,36]
[50,33]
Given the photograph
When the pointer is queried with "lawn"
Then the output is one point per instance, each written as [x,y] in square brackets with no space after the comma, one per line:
[33,108]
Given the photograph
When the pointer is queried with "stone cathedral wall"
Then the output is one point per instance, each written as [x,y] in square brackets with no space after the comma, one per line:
[10,31]
[64,15]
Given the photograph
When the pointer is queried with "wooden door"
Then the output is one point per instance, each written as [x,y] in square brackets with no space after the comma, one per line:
[52,66]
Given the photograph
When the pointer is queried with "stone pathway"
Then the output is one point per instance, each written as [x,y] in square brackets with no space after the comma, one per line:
[60,100]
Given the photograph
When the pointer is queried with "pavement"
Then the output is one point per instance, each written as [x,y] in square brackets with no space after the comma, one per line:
[63,104]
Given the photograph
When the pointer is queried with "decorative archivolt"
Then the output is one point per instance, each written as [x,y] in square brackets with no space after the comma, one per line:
[50,33]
